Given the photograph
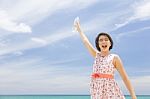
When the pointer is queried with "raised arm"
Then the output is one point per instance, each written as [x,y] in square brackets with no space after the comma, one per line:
[119,66]
[85,40]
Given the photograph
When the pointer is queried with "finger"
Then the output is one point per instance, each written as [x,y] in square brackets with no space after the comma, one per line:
[78,23]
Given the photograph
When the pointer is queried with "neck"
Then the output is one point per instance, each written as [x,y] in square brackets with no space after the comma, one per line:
[104,53]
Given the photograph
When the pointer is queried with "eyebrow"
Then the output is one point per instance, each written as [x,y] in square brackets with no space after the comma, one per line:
[104,38]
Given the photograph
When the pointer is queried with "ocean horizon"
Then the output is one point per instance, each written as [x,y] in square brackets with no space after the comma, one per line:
[60,96]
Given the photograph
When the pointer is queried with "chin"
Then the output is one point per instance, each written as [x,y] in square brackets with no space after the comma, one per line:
[105,50]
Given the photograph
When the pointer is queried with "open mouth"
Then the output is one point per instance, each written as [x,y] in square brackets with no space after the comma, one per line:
[104,46]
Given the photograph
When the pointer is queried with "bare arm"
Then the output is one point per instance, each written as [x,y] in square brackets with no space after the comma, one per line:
[85,40]
[123,74]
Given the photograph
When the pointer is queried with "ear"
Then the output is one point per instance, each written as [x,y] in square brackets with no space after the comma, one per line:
[110,43]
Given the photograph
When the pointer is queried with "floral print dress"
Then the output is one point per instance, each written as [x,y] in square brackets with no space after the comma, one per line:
[104,88]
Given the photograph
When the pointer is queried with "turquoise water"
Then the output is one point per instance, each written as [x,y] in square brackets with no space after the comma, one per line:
[58,97]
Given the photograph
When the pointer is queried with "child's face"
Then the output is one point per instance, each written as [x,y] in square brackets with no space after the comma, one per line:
[104,43]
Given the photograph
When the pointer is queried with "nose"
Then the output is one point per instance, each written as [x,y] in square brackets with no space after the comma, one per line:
[103,41]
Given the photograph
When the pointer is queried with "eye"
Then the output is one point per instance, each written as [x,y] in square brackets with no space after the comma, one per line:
[100,40]
[106,39]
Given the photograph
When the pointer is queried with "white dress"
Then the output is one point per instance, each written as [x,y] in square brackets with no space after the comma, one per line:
[104,88]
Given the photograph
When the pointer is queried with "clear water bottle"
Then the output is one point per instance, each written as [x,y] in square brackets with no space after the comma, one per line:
[74,24]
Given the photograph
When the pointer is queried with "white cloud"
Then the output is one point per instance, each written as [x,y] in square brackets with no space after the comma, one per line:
[21,75]
[35,42]
[10,25]
[26,74]
[141,85]
[18,53]
[140,11]
[2,44]
[97,22]
[28,10]
[31,12]
[39,40]
[101,22]
[130,33]
[13,13]
[121,25]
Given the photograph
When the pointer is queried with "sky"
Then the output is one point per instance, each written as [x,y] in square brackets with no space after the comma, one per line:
[40,53]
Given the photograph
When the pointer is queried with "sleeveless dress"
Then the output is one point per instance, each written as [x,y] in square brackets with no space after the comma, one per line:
[104,88]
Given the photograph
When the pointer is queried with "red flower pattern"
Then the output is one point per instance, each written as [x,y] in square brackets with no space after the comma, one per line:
[104,88]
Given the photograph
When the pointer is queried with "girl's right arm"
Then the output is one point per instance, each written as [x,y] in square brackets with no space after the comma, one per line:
[85,40]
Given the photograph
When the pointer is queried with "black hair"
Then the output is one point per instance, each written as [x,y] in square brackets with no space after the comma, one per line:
[97,40]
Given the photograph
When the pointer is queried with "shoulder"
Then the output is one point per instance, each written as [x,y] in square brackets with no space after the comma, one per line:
[114,54]
[98,53]
[116,60]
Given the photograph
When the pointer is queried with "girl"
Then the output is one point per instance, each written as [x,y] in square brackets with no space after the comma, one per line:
[103,84]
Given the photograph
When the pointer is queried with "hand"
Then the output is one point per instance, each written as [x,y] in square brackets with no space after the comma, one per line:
[77,26]
[134,97]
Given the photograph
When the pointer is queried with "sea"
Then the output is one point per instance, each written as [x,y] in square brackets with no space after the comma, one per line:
[60,97]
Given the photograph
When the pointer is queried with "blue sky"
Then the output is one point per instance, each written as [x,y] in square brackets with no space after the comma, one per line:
[39,53]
